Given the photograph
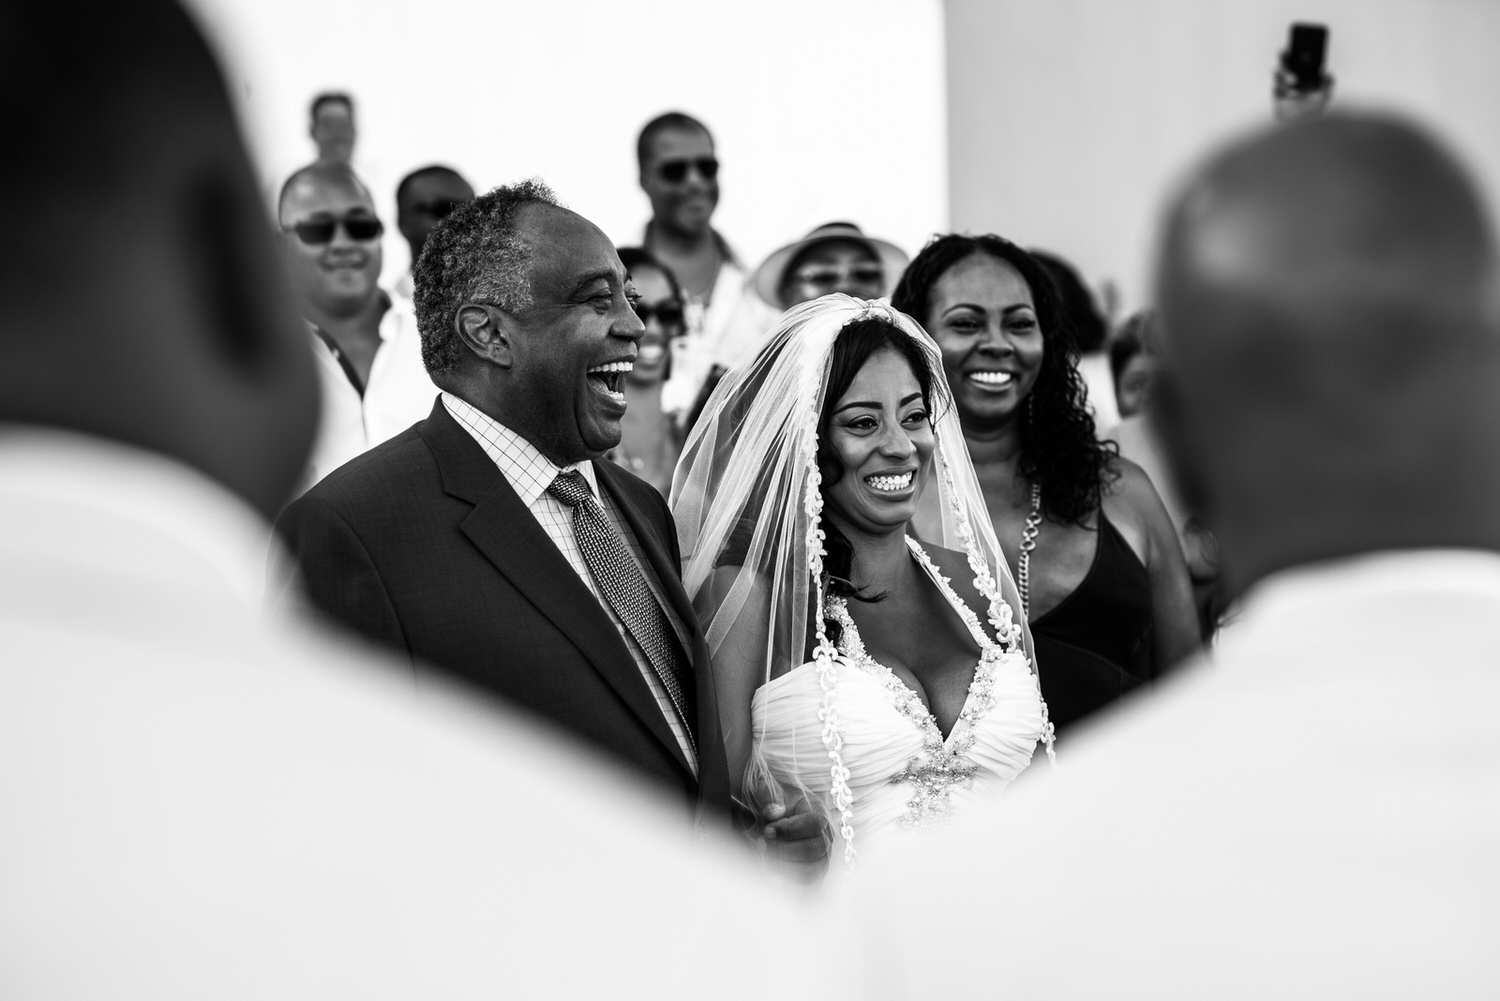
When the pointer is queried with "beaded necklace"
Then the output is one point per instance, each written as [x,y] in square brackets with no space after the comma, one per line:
[1028,543]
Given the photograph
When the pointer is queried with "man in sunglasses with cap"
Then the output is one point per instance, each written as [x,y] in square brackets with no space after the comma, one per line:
[680,174]
[368,352]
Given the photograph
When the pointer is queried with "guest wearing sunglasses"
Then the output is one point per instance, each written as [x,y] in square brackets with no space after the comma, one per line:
[424,198]
[835,257]
[680,175]
[368,352]
[649,439]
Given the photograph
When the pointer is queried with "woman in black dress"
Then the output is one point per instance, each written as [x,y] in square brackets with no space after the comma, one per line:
[1091,546]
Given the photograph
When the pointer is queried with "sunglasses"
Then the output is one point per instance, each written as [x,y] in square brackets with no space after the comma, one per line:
[829,276]
[673,171]
[316,232]
[668,314]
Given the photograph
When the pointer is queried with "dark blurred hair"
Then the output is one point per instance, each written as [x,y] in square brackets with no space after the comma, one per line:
[330,97]
[474,254]
[90,112]
[1060,450]
[640,257]
[1089,328]
[857,342]
[432,170]
[670,121]
[1134,336]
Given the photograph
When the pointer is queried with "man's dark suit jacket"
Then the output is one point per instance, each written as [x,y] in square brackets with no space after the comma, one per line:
[422,544]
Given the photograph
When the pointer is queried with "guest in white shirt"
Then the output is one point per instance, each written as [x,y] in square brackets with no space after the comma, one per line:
[679,172]
[1315,813]
[198,801]
[368,350]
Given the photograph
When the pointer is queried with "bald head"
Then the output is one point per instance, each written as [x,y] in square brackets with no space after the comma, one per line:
[139,299]
[318,182]
[1330,300]
[1345,212]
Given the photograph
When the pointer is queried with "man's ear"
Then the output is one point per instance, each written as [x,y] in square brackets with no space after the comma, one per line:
[487,331]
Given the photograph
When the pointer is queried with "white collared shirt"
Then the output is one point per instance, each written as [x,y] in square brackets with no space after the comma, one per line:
[398,394]
[530,473]
[724,332]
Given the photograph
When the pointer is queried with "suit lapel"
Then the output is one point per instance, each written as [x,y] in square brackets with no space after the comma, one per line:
[508,535]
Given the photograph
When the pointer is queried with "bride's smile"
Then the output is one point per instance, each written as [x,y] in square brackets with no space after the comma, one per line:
[880,437]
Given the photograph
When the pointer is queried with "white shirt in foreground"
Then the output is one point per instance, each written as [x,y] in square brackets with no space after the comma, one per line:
[1316,814]
[196,802]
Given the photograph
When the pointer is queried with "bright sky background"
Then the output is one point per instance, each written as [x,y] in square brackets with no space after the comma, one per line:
[822,109]
[1073,120]
[1070,120]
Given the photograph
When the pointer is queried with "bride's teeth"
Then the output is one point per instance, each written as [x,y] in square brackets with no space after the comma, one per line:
[992,378]
[614,366]
[890,483]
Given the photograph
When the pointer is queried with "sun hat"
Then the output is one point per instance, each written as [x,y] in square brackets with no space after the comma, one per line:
[767,278]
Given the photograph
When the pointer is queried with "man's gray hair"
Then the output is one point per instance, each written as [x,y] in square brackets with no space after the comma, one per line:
[473,255]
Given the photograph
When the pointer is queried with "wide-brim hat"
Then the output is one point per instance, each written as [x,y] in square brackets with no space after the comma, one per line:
[767,278]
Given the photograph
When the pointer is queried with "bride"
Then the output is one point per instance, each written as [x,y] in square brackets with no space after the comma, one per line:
[910,690]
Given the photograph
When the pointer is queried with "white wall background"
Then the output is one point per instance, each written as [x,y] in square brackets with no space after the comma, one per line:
[1071,120]
[822,109]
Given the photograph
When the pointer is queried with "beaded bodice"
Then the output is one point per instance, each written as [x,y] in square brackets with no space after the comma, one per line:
[902,772]
[942,763]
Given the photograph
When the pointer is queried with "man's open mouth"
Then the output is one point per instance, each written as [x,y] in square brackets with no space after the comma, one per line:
[609,377]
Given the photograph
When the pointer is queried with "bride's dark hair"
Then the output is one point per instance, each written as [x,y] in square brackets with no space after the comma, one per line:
[857,342]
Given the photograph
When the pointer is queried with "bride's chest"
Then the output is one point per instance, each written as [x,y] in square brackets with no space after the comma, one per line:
[936,664]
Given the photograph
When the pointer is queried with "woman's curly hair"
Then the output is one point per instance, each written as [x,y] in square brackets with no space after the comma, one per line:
[1060,449]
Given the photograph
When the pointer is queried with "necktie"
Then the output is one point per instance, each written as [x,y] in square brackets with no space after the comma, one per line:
[627,591]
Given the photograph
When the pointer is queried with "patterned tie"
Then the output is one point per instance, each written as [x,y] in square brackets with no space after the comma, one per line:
[625,587]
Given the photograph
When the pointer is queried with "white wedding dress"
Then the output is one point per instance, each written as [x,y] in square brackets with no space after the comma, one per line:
[903,773]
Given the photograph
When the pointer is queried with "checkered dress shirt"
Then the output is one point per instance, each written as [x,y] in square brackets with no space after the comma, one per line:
[530,474]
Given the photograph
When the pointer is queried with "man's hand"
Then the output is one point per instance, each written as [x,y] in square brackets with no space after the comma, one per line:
[799,840]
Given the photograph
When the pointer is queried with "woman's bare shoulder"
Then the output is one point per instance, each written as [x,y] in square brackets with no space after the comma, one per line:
[1136,508]
[1130,488]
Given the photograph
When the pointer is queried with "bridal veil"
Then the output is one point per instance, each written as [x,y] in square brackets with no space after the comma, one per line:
[748,507]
